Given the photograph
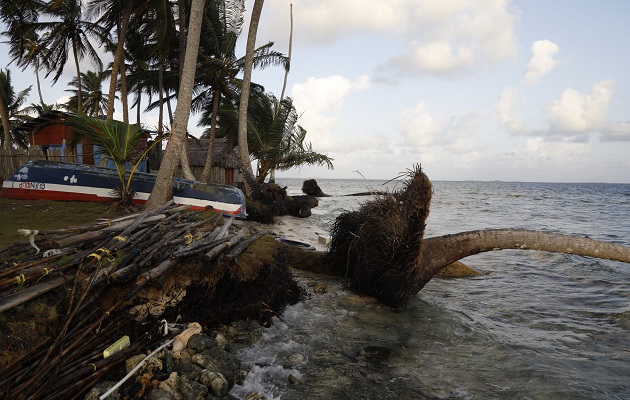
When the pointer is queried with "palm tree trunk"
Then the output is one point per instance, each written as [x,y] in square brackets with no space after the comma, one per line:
[4,114]
[286,72]
[163,189]
[185,162]
[245,90]
[138,109]
[160,128]
[207,168]
[39,86]
[272,174]
[170,111]
[124,92]
[181,8]
[79,84]
[438,252]
[119,57]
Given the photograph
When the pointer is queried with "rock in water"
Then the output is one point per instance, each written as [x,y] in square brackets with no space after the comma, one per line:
[311,188]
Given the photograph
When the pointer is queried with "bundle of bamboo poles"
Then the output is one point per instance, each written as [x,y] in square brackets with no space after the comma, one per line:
[131,251]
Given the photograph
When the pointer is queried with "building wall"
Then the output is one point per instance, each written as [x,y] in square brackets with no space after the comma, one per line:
[54,134]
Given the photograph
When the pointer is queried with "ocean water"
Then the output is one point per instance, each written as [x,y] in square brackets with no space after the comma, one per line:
[534,325]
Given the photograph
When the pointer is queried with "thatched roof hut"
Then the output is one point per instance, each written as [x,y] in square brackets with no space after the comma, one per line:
[225,165]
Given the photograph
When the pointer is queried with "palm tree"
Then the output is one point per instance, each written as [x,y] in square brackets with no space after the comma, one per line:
[115,140]
[38,109]
[19,16]
[11,112]
[275,138]
[163,189]
[114,13]
[138,68]
[245,89]
[157,26]
[95,101]
[66,31]
[31,52]
[219,66]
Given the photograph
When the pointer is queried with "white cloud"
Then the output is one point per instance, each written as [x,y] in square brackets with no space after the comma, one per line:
[324,21]
[619,132]
[419,128]
[508,102]
[448,37]
[542,60]
[439,57]
[321,101]
[542,152]
[576,113]
[378,142]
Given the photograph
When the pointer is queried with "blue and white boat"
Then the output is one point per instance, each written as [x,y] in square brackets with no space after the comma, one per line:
[77,182]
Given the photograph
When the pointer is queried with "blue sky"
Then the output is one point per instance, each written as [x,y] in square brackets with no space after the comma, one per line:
[471,89]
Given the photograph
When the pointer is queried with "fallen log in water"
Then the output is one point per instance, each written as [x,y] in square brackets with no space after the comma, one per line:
[380,249]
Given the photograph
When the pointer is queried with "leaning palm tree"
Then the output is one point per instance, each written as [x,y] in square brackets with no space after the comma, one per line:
[12,112]
[115,140]
[163,189]
[245,89]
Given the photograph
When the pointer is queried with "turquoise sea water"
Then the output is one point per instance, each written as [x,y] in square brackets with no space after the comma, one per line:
[534,325]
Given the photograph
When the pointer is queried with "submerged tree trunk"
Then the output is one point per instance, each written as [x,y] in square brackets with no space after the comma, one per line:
[438,252]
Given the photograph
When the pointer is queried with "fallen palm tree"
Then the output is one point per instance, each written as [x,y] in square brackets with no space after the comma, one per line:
[380,249]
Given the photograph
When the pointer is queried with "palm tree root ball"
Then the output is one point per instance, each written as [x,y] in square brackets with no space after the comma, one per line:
[377,247]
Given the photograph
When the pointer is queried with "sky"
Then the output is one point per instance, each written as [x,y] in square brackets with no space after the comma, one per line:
[485,90]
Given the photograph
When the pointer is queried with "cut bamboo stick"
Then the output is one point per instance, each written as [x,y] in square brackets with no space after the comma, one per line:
[31,292]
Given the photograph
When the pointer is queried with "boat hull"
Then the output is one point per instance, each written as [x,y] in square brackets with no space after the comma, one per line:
[76,182]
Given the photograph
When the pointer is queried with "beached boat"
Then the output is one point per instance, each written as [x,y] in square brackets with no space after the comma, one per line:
[77,182]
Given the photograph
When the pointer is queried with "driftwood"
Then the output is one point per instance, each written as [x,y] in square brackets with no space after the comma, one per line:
[31,292]
[212,254]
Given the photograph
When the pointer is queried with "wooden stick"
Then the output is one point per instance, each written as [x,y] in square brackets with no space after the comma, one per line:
[212,254]
[31,292]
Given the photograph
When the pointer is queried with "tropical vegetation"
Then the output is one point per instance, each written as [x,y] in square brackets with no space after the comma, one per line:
[276,140]
[94,101]
[149,43]
[12,112]
[116,141]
